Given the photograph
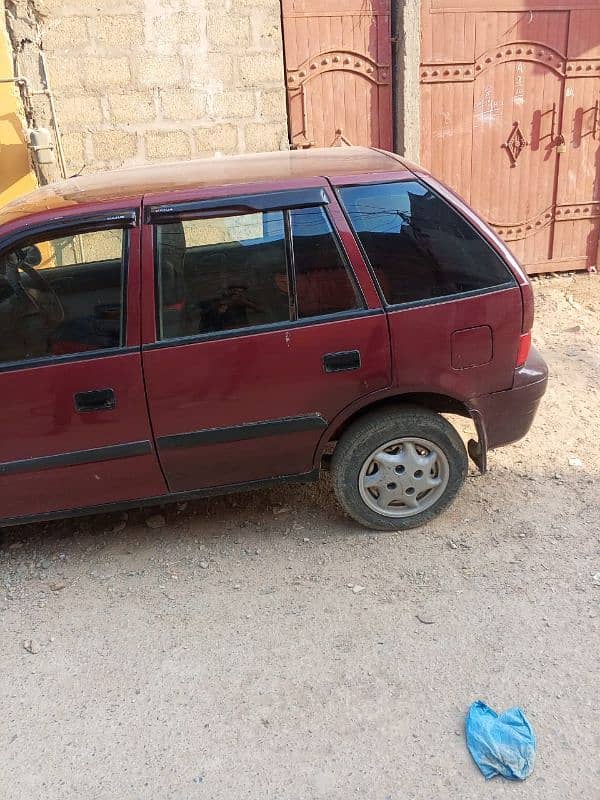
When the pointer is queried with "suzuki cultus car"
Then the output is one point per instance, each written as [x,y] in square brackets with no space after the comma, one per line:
[179,330]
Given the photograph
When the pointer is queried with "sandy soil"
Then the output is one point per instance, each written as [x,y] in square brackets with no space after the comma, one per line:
[226,654]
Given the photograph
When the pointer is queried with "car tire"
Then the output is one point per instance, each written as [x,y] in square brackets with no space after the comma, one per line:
[398,468]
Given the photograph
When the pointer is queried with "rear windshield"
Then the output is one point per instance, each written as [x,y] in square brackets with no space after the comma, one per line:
[419,247]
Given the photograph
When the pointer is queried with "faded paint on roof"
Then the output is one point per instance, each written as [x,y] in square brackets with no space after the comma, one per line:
[135,182]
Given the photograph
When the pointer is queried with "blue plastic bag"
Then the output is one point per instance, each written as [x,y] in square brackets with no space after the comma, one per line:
[501,744]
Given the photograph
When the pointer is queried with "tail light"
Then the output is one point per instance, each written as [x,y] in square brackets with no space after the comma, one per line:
[524,348]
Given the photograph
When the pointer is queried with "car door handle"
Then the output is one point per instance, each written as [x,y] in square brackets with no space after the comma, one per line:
[95,400]
[339,362]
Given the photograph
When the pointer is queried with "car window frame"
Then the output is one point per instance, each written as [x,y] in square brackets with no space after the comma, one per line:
[283,200]
[338,188]
[125,219]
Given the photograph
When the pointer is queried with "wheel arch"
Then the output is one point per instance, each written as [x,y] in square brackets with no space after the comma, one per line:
[433,401]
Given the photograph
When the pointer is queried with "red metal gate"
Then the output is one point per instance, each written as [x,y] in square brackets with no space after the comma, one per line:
[510,94]
[338,72]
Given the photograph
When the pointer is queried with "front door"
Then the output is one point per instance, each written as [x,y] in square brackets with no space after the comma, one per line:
[262,334]
[511,120]
[74,429]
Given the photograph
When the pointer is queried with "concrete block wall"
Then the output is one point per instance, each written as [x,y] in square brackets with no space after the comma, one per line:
[153,80]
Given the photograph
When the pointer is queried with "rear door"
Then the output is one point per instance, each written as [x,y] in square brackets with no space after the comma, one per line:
[257,332]
[74,429]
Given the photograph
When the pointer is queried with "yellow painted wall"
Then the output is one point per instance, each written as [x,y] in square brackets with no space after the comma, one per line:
[16,177]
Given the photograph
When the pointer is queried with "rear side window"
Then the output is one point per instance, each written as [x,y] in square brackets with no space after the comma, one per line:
[418,246]
[63,295]
[323,282]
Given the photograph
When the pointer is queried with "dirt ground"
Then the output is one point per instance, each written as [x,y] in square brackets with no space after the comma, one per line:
[231,654]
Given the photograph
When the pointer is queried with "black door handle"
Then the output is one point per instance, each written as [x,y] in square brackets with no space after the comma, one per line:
[95,400]
[338,362]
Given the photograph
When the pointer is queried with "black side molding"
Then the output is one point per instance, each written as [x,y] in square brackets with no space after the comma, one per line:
[236,433]
[76,457]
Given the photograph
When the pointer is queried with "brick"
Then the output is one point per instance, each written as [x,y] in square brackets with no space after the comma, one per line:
[158,70]
[260,68]
[181,104]
[231,104]
[219,137]
[261,137]
[82,111]
[124,30]
[184,27]
[167,144]
[100,72]
[65,33]
[228,30]
[64,72]
[131,107]
[204,68]
[114,145]
[271,105]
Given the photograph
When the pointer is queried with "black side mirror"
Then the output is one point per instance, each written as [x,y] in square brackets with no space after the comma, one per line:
[6,290]
[29,256]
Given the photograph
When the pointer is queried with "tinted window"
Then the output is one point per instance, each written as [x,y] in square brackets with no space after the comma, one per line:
[221,273]
[418,246]
[62,295]
[323,283]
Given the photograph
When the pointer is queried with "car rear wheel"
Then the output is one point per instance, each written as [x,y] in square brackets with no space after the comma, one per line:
[398,468]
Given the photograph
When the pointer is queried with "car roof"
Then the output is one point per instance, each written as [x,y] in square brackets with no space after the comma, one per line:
[135,182]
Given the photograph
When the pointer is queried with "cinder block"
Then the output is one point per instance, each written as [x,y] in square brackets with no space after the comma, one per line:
[65,33]
[114,145]
[263,136]
[99,72]
[228,30]
[131,107]
[158,70]
[223,138]
[167,144]
[231,104]
[82,111]
[260,69]
[123,31]
[181,104]
[271,105]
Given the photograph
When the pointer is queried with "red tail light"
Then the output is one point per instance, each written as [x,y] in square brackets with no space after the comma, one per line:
[524,348]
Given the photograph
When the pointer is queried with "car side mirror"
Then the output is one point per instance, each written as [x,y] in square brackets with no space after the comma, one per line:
[6,289]
[29,256]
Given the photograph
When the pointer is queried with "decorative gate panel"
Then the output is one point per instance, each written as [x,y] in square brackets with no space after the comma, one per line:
[338,62]
[511,120]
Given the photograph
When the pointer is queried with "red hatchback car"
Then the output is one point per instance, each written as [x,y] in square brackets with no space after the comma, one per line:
[182,330]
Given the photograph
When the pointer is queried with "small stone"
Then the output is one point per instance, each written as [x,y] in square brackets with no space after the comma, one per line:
[44,564]
[156,521]
[32,646]
[15,546]
[452,545]
[306,539]
[181,506]
[596,579]
[204,565]
[57,586]
[282,510]
[357,589]
[575,462]
[236,586]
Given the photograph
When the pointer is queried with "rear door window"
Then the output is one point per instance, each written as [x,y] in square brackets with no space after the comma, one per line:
[226,273]
[419,247]
[323,280]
